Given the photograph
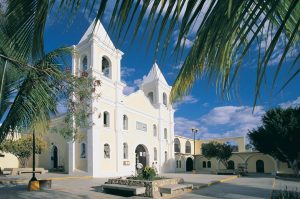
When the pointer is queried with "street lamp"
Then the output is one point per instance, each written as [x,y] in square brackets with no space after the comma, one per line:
[194,130]
[33,157]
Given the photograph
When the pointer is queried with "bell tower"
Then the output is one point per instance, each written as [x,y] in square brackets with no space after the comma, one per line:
[96,53]
[156,87]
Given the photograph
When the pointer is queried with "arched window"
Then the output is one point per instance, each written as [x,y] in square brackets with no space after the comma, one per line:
[230,164]
[151,97]
[106,119]
[165,133]
[187,147]
[155,153]
[208,164]
[84,63]
[166,156]
[125,122]
[165,99]
[82,150]
[106,151]
[106,68]
[176,145]
[125,150]
[204,164]
[154,130]
[179,163]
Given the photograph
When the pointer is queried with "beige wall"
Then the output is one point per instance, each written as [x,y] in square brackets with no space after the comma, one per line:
[8,161]
[80,163]
[54,139]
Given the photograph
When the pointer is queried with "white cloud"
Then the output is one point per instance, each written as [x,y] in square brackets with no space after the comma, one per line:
[205,104]
[233,115]
[128,90]
[183,126]
[126,71]
[178,66]
[235,120]
[138,82]
[294,103]
[221,122]
[189,99]
[3,6]
[131,88]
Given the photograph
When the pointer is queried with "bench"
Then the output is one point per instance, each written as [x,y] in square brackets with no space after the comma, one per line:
[6,171]
[169,189]
[20,172]
[134,189]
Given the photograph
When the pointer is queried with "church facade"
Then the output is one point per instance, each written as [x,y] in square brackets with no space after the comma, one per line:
[126,130]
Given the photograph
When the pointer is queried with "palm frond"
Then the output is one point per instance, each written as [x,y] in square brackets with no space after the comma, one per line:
[36,94]
[23,24]
[225,34]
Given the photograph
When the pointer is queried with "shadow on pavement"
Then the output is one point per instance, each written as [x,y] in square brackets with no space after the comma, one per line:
[231,191]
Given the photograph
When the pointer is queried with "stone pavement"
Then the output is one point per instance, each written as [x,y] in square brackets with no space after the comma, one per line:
[197,178]
[78,185]
[81,186]
[251,187]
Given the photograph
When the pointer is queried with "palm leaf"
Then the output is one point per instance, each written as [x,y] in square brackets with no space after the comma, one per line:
[36,94]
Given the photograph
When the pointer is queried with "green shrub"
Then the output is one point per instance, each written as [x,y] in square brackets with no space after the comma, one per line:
[148,173]
[286,194]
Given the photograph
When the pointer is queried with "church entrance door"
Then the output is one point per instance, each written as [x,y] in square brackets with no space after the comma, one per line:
[141,155]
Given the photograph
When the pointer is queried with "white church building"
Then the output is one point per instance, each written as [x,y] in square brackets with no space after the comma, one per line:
[126,130]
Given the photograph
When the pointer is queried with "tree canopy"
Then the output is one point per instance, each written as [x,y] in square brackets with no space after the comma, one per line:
[22,148]
[279,135]
[222,152]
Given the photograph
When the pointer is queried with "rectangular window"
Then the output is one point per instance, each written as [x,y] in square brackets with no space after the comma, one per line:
[141,126]
[155,154]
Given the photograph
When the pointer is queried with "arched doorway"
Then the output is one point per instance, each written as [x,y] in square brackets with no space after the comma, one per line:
[260,166]
[141,155]
[189,164]
[230,164]
[54,157]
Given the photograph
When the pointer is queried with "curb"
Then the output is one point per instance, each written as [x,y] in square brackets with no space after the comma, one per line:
[197,186]
[25,181]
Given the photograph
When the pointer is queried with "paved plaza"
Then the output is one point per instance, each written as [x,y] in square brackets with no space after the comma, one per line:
[81,186]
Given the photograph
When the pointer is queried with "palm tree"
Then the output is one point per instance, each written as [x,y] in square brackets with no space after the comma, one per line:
[30,79]
[223,33]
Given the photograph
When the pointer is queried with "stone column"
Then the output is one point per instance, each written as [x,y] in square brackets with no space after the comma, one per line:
[71,144]
[71,158]
[119,127]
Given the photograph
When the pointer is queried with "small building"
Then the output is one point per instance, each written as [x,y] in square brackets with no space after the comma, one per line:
[254,161]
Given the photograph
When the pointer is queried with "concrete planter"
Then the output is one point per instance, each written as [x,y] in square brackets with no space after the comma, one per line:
[152,187]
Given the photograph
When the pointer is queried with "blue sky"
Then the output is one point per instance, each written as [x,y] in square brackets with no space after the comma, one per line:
[203,107]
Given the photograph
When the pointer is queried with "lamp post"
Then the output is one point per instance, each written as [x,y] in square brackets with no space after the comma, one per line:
[33,157]
[194,130]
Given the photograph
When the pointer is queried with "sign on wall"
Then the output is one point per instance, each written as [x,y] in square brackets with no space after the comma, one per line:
[141,126]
